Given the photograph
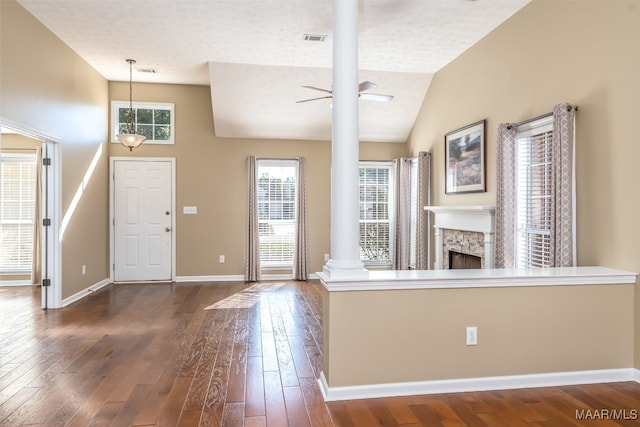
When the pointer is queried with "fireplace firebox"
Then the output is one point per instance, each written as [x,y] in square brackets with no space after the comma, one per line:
[461,261]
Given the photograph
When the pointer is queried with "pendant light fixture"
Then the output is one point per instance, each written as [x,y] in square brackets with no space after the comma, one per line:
[131,140]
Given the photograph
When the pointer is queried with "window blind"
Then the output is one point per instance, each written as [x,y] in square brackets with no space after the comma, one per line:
[17,211]
[534,204]
[375,225]
[276,212]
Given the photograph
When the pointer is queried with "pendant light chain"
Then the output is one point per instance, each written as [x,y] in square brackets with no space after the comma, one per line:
[131,126]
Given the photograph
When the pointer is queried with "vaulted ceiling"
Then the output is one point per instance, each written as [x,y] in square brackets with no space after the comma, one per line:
[253,55]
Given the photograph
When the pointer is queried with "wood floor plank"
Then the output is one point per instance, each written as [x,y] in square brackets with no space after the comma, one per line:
[233,414]
[236,386]
[154,355]
[274,400]
[288,374]
[401,411]
[254,401]
[17,401]
[296,412]
[255,421]
[174,403]
[213,410]
[300,358]
[269,353]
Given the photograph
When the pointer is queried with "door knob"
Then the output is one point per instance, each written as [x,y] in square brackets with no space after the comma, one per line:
[167,229]
[167,213]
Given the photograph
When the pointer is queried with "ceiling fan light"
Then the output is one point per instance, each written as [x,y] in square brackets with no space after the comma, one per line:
[131,140]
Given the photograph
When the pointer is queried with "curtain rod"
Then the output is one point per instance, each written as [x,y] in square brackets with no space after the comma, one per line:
[524,122]
[543,116]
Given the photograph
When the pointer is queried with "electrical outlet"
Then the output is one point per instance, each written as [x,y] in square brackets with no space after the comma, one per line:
[472,335]
[221,259]
[326,257]
[84,270]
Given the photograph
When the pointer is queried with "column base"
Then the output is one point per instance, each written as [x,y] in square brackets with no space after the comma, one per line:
[345,269]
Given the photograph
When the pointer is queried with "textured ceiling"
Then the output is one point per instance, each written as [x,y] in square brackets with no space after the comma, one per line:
[253,55]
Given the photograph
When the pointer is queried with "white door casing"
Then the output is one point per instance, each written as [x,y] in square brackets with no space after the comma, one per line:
[51,208]
[142,223]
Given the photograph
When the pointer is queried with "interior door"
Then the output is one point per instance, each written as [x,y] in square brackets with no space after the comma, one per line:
[142,220]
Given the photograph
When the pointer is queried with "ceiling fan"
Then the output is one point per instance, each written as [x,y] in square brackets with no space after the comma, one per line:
[366,85]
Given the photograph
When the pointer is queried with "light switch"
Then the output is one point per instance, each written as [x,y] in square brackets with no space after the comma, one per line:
[190,210]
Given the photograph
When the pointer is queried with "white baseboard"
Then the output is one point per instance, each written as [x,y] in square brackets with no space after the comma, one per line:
[237,278]
[475,384]
[79,295]
[220,278]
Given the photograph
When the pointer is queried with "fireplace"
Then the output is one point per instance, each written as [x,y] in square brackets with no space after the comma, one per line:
[466,230]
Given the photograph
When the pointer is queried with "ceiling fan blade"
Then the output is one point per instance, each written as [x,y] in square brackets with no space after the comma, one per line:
[366,85]
[317,88]
[376,97]
[313,99]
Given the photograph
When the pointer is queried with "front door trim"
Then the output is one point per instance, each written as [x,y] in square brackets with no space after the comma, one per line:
[112,162]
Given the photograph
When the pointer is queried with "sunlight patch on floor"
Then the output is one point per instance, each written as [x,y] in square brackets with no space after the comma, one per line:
[247,298]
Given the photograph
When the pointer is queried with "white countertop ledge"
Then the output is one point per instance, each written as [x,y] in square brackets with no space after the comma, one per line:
[379,280]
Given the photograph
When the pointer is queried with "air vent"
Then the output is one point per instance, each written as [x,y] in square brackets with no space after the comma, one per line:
[315,37]
[147,70]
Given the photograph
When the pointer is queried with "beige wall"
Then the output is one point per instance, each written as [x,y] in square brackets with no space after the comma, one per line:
[382,337]
[46,86]
[581,52]
[212,175]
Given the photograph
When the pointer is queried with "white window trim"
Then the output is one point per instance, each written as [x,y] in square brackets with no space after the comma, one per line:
[116,105]
[279,163]
[392,214]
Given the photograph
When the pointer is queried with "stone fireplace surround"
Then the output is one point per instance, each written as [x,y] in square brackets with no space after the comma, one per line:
[465,229]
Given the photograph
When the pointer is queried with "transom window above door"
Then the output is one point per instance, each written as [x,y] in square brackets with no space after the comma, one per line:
[155,121]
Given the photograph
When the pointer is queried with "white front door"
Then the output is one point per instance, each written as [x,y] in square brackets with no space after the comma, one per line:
[142,220]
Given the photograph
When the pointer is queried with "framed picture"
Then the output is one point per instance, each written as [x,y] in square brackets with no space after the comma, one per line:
[465,160]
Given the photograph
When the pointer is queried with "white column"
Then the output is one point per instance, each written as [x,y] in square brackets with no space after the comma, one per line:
[488,250]
[345,260]
[439,263]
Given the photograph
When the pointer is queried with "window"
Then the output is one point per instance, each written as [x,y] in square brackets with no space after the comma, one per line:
[153,120]
[375,212]
[277,212]
[17,211]
[534,216]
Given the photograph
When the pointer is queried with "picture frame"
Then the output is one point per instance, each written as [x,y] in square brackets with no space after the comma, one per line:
[465,160]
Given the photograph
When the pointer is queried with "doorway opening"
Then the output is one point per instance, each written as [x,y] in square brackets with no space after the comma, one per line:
[46,219]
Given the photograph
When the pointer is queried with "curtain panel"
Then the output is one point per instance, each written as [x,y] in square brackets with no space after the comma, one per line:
[506,196]
[423,225]
[252,253]
[403,212]
[301,250]
[402,216]
[563,241]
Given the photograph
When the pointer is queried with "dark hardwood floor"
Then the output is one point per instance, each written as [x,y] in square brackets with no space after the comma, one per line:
[229,354]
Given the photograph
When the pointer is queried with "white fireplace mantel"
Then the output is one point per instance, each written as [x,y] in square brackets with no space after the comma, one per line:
[480,219]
